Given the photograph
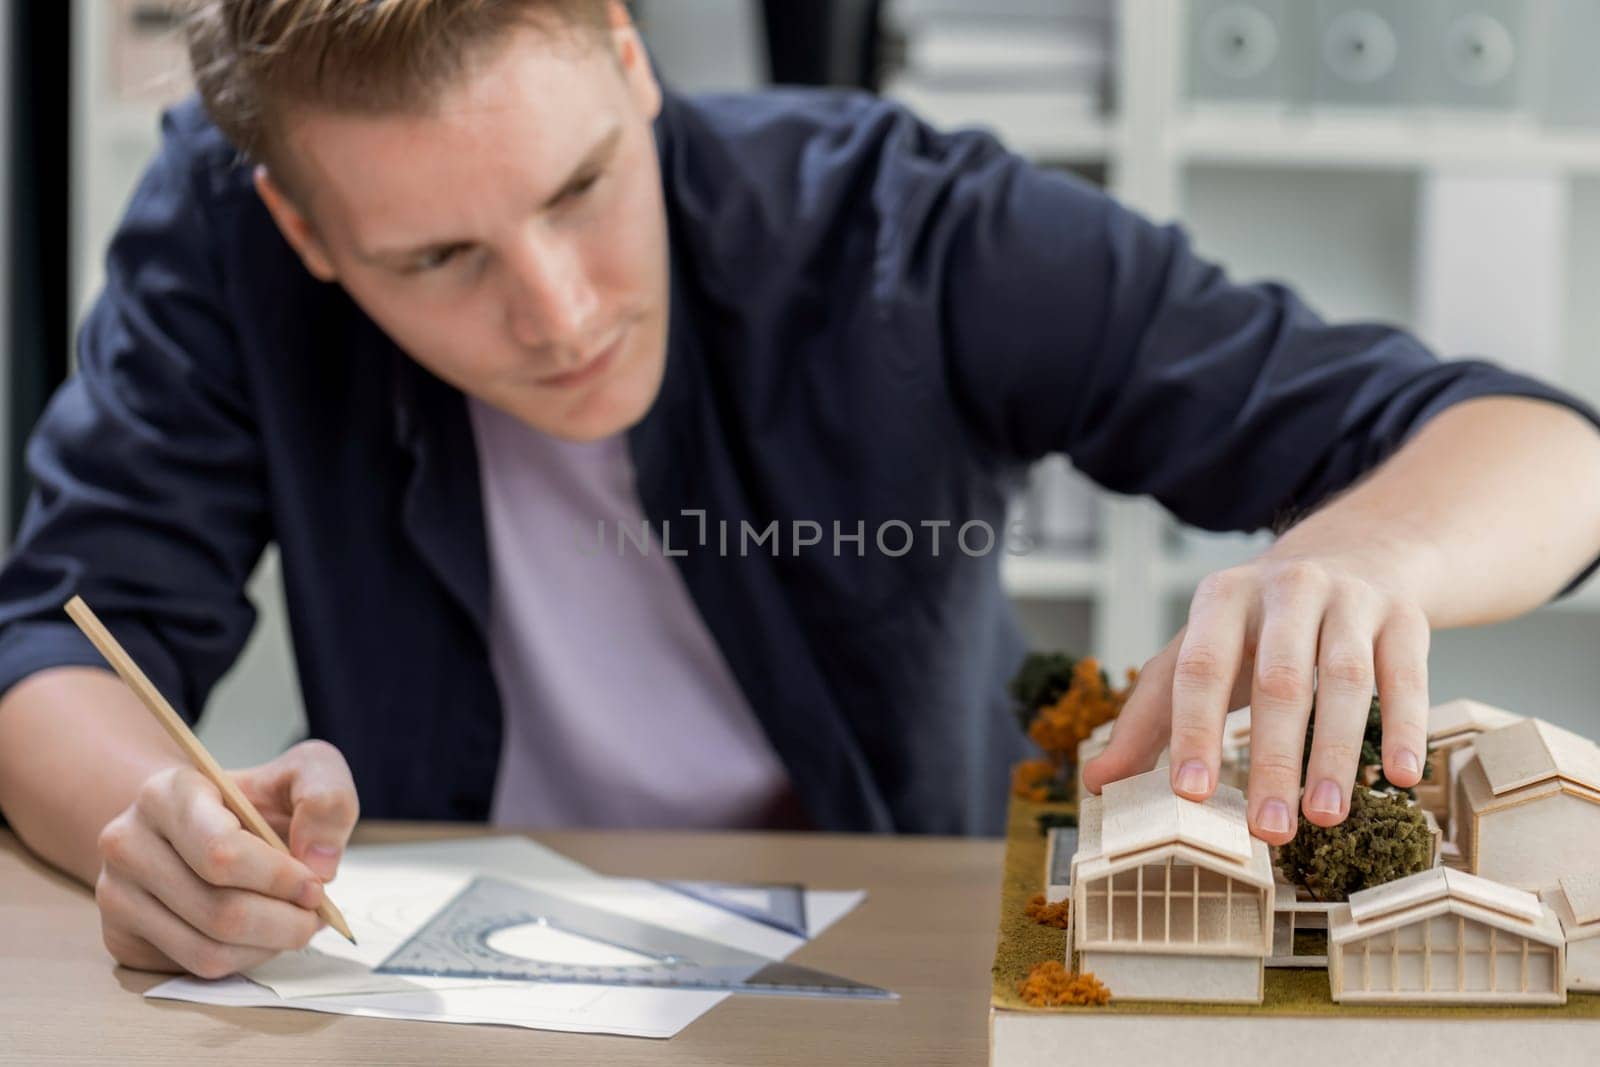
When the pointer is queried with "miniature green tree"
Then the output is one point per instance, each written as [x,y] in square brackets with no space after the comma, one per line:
[1039,682]
[1371,752]
[1384,837]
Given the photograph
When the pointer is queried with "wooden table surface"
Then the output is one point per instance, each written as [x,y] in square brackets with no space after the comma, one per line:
[926,930]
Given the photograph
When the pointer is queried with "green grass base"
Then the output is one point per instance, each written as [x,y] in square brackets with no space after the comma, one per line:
[1023,943]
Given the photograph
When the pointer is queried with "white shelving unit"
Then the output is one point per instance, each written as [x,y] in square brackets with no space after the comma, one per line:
[114,133]
[1375,141]
[1167,157]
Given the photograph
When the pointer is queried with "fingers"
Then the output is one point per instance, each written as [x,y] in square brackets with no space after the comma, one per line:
[1293,633]
[185,811]
[323,798]
[1203,677]
[226,915]
[139,931]
[1281,698]
[183,885]
[1401,662]
[1344,699]
[1140,730]
[312,783]
[133,951]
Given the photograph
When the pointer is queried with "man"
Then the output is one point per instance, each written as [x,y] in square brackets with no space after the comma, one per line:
[477,282]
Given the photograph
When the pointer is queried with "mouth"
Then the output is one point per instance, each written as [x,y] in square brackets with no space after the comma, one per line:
[596,366]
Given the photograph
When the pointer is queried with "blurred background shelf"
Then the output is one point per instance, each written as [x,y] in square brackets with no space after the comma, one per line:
[1033,124]
[1235,117]
[1400,141]
[1048,573]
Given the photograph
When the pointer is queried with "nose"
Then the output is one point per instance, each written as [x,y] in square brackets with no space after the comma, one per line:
[551,302]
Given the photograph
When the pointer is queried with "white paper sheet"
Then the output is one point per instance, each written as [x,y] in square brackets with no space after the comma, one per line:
[386,892]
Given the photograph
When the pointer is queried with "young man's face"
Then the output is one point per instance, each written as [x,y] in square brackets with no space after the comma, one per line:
[513,241]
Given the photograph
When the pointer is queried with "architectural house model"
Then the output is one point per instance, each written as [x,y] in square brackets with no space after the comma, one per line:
[1576,902]
[1437,833]
[1088,749]
[1443,936]
[1235,750]
[1452,726]
[1061,846]
[1527,805]
[1235,767]
[1172,899]
[1294,912]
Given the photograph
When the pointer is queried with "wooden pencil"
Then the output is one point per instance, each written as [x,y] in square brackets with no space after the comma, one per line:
[179,731]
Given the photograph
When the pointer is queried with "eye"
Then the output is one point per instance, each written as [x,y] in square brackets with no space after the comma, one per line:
[580,186]
[435,258]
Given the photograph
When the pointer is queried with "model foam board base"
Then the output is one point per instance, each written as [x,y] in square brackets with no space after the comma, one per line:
[1296,1009]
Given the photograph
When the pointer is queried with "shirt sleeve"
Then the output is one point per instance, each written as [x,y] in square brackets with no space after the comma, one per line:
[1069,323]
[148,475]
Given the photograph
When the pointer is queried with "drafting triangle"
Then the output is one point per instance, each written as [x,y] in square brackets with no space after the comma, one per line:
[780,906]
[455,943]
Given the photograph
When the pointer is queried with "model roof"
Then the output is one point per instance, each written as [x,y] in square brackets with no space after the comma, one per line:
[1533,751]
[1151,823]
[1090,811]
[1438,891]
[1456,717]
[1583,896]
[1143,812]
[1436,884]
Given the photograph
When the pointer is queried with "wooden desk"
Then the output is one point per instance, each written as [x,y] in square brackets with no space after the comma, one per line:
[926,930]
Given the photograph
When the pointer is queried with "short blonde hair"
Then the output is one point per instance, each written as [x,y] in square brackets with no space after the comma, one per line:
[255,60]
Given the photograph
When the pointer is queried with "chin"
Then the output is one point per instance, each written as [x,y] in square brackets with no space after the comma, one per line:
[614,407]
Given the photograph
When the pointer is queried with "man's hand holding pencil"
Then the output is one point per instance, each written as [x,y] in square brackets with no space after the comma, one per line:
[184,886]
[195,874]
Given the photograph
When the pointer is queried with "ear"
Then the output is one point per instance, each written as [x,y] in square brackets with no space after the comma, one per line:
[295,226]
[633,61]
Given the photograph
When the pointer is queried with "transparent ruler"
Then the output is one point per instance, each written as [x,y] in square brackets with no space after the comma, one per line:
[454,943]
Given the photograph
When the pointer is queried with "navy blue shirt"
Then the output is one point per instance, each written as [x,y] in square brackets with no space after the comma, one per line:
[871,321]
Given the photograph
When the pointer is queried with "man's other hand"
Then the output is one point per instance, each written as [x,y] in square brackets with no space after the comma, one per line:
[1282,633]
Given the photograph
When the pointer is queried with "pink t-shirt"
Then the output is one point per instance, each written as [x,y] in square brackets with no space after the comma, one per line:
[620,710]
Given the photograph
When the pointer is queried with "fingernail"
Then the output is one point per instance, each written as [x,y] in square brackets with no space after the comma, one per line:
[310,895]
[1193,777]
[1274,817]
[323,859]
[1325,799]
[1406,760]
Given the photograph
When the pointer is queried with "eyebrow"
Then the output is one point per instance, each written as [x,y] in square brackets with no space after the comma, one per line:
[592,161]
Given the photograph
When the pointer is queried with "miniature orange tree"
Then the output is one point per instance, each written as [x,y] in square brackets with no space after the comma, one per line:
[1051,985]
[1059,702]
[1052,915]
